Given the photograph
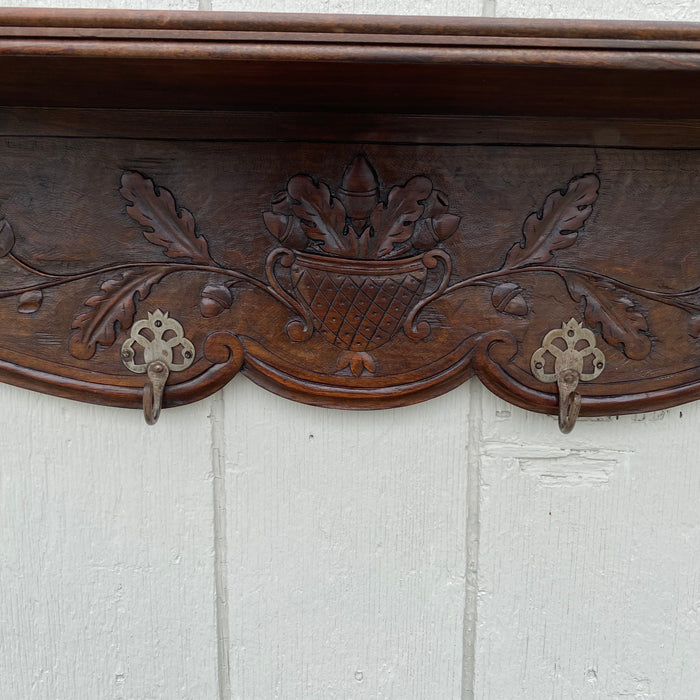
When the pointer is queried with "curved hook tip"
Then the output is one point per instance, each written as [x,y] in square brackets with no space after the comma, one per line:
[569,399]
[158,373]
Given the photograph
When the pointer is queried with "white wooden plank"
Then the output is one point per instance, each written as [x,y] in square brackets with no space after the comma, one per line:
[106,568]
[108,4]
[589,579]
[653,10]
[361,7]
[346,548]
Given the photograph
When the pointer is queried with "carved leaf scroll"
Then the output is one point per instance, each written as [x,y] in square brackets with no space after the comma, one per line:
[322,215]
[622,325]
[694,326]
[163,223]
[556,225]
[7,237]
[395,221]
[113,307]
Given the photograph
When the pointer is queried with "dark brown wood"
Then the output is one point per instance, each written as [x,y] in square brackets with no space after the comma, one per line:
[332,245]
[407,65]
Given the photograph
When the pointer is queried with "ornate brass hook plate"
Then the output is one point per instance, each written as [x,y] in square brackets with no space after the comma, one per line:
[162,348]
[353,261]
[576,359]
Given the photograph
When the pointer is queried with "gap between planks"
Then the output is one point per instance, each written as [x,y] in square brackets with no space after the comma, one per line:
[218,462]
[471,583]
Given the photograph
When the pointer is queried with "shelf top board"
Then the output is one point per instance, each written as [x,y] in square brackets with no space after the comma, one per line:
[357,64]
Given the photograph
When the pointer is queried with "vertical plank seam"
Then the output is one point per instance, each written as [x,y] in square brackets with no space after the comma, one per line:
[471,584]
[218,461]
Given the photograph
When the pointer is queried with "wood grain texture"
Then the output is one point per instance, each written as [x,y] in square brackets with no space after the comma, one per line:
[346,548]
[588,579]
[356,129]
[106,541]
[459,66]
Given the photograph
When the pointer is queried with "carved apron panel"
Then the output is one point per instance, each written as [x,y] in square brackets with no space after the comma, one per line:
[350,275]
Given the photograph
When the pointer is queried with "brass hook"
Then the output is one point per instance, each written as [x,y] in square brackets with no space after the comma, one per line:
[159,358]
[157,373]
[569,399]
[563,345]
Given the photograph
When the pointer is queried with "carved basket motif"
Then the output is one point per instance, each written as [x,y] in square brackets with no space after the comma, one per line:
[358,305]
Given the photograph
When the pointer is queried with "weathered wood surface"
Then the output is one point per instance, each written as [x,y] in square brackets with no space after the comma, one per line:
[346,548]
[588,576]
[106,569]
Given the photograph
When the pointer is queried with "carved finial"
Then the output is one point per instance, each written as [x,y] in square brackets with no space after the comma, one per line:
[359,190]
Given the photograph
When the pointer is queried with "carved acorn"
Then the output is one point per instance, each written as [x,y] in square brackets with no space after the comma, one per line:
[280,203]
[437,225]
[507,298]
[282,223]
[286,229]
[30,302]
[359,189]
[216,298]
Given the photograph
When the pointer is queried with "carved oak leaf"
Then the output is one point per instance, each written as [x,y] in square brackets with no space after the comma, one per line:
[163,223]
[622,326]
[322,216]
[556,225]
[7,237]
[357,362]
[395,221]
[114,304]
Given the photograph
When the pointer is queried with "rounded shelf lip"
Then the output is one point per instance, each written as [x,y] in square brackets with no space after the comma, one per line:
[343,24]
[360,64]
[71,25]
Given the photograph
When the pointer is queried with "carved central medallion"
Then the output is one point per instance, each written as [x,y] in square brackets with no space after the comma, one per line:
[356,262]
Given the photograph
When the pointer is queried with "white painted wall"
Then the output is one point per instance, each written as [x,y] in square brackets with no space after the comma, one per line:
[460,549]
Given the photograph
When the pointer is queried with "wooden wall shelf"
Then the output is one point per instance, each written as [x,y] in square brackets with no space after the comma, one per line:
[353,212]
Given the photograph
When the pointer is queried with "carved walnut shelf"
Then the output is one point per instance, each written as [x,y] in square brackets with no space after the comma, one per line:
[353,212]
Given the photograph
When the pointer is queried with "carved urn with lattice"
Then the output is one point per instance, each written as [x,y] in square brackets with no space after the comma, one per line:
[361,305]
[358,262]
